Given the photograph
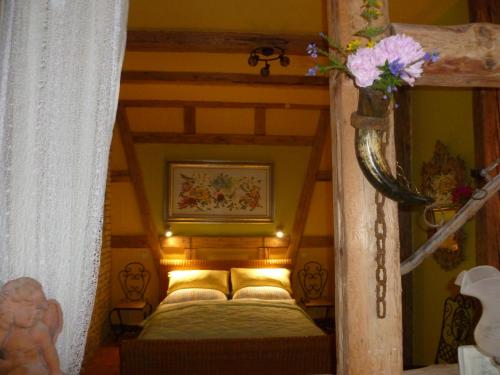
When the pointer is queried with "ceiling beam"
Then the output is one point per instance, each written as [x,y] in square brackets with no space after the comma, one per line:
[223,78]
[222,139]
[148,103]
[216,42]
[474,62]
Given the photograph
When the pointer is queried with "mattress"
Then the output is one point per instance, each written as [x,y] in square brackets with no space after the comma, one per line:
[243,318]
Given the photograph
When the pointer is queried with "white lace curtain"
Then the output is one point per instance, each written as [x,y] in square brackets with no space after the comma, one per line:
[60,63]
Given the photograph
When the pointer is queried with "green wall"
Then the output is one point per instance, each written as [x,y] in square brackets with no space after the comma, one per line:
[445,115]
[289,171]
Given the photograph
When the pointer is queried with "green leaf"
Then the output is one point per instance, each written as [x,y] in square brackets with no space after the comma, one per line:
[370,32]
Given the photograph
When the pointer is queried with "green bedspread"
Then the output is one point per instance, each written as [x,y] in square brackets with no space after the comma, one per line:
[228,319]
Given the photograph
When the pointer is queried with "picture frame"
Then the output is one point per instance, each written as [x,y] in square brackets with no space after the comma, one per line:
[218,191]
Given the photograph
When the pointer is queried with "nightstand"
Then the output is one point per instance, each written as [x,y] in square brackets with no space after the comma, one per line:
[134,279]
[327,323]
[145,307]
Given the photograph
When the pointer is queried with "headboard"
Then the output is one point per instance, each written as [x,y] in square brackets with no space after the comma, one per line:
[167,265]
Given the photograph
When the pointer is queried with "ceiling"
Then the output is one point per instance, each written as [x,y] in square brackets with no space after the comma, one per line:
[268,16]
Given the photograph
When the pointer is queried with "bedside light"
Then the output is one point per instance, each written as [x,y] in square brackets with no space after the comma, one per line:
[168,232]
[280,233]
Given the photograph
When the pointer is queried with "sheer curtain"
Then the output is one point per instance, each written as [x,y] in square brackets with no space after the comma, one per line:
[60,63]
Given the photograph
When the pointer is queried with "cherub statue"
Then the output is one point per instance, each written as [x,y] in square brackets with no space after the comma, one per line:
[29,327]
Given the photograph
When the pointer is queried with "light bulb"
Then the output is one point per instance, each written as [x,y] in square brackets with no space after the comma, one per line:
[168,233]
[280,233]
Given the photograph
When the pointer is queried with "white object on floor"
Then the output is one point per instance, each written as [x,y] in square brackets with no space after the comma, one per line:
[473,362]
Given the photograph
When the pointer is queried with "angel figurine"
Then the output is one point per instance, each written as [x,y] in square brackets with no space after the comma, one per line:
[29,327]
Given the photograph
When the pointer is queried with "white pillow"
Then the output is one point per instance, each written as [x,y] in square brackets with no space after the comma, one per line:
[195,294]
[263,292]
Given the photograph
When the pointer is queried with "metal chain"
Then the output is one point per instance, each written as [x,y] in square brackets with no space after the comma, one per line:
[381,235]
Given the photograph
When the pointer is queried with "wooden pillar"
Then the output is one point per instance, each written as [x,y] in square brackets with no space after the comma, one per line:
[486,105]
[365,344]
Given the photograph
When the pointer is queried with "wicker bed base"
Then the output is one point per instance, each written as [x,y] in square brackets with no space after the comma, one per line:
[283,355]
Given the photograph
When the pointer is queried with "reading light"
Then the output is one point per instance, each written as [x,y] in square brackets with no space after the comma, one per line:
[168,232]
[280,233]
[267,54]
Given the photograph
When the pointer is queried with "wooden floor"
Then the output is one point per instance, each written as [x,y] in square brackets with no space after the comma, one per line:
[105,362]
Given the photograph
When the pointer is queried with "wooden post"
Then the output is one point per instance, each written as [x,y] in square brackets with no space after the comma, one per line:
[486,105]
[365,343]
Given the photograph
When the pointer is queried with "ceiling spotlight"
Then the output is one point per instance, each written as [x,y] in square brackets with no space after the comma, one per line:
[267,54]
[280,233]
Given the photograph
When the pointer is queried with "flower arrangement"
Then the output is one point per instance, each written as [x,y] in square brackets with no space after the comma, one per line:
[384,64]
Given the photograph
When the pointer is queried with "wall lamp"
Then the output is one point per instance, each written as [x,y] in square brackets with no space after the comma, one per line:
[280,233]
[168,231]
[267,54]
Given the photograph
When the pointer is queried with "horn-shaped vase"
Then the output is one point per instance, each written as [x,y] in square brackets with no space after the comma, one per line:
[371,120]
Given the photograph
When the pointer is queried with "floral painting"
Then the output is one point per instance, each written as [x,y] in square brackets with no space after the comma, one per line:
[218,191]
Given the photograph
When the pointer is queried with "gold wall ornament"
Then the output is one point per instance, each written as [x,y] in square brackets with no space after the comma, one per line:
[451,252]
[440,178]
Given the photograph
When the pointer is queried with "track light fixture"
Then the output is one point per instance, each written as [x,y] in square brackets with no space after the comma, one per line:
[267,54]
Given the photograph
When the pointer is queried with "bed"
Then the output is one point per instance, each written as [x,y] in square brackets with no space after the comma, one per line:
[244,335]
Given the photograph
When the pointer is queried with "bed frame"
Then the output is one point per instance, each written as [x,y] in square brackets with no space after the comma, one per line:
[274,355]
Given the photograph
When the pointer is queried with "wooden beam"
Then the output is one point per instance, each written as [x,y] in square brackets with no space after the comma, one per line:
[302,210]
[204,242]
[260,121]
[472,62]
[324,176]
[224,242]
[486,107]
[403,141]
[216,42]
[189,120]
[139,188]
[120,176]
[148,103]
[132,242]
[204,78]
[316,241]
[222,139]
[365,343]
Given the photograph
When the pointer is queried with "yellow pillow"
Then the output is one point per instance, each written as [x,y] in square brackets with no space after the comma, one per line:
[244,277]
[207,279]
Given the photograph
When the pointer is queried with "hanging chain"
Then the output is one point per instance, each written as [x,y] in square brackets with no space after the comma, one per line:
[381,235]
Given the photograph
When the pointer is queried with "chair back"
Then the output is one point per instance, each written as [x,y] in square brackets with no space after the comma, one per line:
[134,280]
[460,316]
[312,279]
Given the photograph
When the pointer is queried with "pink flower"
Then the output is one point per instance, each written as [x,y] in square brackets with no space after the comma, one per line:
[363,65]
[407,50]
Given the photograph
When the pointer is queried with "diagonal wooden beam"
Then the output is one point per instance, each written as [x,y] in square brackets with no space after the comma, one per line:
[209,78]
[308,186]
[216,42]
[469,54]
[137,179]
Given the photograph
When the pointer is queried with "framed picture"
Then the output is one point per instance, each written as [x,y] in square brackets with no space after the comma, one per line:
[218,192]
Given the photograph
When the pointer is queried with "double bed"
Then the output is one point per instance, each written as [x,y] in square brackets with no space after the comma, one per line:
[258,330]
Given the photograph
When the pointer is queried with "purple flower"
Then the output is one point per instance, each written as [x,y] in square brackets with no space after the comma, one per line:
[312,71]
[431,57]
[396,67]
[364,66]
[312,50]
[405,51]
